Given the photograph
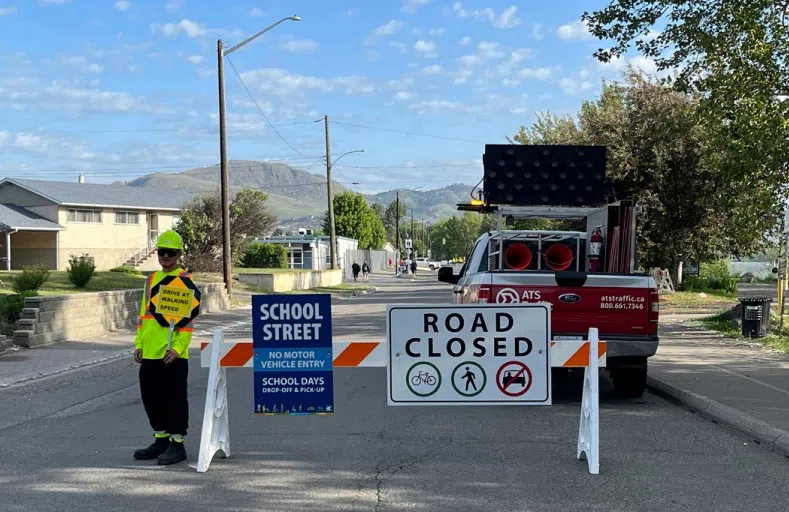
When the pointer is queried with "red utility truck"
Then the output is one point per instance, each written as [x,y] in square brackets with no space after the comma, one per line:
[589,277]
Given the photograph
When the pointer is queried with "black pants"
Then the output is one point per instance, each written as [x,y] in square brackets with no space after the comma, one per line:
[163,390]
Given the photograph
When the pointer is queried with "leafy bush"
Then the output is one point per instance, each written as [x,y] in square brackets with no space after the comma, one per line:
[716,270]
[31,279]
[81,270]
[265,256]
[123,269]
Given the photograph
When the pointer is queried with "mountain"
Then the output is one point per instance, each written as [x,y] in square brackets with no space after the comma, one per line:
[298,197]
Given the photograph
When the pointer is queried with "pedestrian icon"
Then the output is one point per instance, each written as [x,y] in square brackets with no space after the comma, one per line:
[468,379]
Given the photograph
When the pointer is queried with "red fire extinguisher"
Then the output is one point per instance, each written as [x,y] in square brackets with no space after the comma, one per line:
[595,247]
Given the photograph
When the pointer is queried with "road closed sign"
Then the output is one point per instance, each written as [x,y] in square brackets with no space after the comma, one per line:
[469,354]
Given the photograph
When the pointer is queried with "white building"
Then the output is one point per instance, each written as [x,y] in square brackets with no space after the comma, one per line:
[311,252]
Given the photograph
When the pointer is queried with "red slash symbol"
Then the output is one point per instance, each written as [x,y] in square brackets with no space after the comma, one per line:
[516,373]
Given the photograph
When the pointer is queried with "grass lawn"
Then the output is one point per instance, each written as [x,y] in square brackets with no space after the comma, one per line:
[775,339]
[58,283]
[688,300]
[266,270]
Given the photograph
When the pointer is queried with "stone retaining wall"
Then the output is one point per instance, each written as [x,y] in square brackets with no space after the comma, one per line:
[47,320]
[289,281]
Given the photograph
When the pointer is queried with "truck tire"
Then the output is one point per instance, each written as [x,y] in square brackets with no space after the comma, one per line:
[629,381]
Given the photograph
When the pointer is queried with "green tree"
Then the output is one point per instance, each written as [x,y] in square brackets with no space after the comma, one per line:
[202,233]
[354,218]
[379,210]
[735,57]
[662,155]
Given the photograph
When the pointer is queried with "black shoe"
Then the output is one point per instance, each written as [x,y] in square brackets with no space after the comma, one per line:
[175,453]
[154,450]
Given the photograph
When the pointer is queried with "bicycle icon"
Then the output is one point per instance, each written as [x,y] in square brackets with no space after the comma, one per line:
[423,377]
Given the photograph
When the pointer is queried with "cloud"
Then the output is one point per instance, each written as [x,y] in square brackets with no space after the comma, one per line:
[440,31]
[174,5]
[286,84]
[537,32]
[190,28]
[428,48]
[7,11]
[489,50]
[469,61]
[521,54]
[510,83]
[575,31]
[403,96]
[465,41]
[80,62]
[255,12]
[410,6]
[644,64]
[401,47]
[196,59]
[537,73]
[438,106]
[53,2]
[122,5]
[573,87]
[95,99]
[461,77]
[435,69]
[299,46]
[508,18]
[616,63]
[389,28]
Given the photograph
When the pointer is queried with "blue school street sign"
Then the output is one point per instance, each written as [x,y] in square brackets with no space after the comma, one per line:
[292,339]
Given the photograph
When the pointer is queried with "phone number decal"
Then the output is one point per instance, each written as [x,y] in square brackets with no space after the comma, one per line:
[621,305]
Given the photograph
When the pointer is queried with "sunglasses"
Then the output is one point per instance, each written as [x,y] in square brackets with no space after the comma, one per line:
[167,253]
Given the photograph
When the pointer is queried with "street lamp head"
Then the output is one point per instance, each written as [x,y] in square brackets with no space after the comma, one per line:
[295,18]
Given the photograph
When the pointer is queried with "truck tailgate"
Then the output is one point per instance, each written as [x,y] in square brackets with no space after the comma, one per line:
[618,305]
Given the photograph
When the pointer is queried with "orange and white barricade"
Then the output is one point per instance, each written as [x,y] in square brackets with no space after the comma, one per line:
[219,355]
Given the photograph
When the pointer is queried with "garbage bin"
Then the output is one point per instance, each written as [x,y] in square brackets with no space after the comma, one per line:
[755,316]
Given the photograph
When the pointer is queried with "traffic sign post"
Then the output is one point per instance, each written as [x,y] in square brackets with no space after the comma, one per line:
[445,355]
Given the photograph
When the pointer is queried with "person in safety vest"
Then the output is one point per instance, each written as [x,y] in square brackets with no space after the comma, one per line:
[163,372]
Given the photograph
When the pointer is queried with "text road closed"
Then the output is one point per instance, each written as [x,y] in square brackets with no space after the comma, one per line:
[469,354]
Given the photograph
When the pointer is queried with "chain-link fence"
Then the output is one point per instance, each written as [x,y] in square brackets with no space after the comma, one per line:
[379,261]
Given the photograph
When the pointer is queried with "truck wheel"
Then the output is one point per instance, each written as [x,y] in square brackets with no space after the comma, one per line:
[629,382]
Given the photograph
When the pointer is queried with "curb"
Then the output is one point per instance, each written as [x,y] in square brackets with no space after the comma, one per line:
[764,434]
[34,377]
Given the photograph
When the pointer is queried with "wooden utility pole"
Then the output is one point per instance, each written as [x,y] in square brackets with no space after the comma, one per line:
[223,173]
[332,238]
[397,222]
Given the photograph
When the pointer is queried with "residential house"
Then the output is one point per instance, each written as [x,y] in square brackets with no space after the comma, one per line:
[46,222]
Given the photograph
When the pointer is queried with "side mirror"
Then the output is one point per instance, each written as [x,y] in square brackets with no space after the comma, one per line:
[447,275]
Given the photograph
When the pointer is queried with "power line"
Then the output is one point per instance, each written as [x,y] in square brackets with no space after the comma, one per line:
[161,167]
[408,133]
[260,109]
[146,130]
[409,166]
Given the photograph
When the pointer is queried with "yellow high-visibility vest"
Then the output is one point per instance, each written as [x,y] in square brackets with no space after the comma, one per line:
[152,337]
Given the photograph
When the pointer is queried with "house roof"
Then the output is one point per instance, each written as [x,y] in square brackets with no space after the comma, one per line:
[16,217]
[90,194]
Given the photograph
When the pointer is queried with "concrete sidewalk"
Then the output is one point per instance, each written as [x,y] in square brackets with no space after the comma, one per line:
[742,386]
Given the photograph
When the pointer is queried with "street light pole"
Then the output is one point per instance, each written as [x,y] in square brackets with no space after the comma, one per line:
[227,272]
[332,233]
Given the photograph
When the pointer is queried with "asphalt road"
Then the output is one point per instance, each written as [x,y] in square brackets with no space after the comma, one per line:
[67,445]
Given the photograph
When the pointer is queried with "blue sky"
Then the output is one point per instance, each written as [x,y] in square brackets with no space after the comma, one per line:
[119,89]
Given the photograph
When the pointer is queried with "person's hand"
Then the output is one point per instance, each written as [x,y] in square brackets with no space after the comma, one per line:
[170,356]
[138,355]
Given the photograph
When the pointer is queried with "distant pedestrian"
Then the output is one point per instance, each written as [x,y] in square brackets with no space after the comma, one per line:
[355,269]
[413,267]
[164,365]
[365,271]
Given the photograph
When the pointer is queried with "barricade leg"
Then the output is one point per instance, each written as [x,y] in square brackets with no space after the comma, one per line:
[215,436]
[589,429]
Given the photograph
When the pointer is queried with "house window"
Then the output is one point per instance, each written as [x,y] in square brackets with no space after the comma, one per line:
[127,218]
[81,215]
